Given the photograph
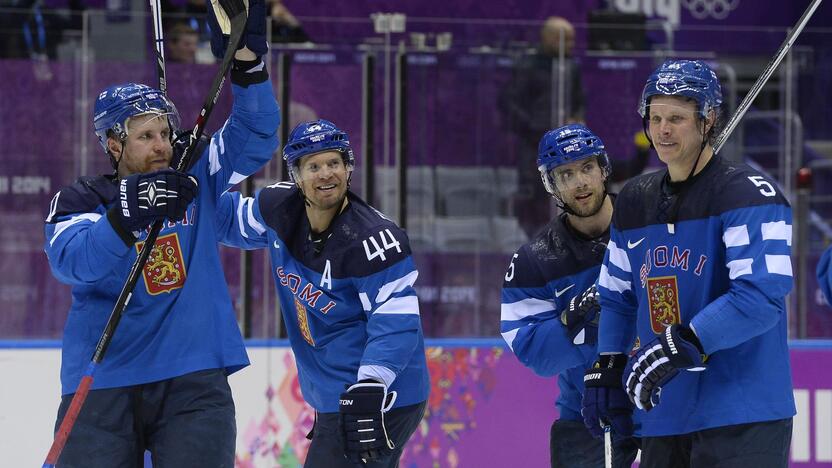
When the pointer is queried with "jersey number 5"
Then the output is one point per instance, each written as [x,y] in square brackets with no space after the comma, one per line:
[386,244]
[765,187]
[510,272]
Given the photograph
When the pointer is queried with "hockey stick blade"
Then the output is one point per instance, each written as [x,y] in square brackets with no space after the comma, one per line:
[238,23]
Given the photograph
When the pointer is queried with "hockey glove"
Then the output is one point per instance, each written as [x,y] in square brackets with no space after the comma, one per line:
[181,141]
[605,402]
[220,13]
[655,363]
[362,410]
[146,198]
[581,317]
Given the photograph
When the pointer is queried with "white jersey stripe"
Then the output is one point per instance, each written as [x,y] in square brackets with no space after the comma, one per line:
[778,230]
[736,236]
[509,337]
[739,267]
[365,302]
[251,219]
[525,308]
[618,257]
[64,225]
[611,282]
[779,264]
[213,157]
[236,178]
[241,208]
[400,305]
[395,286]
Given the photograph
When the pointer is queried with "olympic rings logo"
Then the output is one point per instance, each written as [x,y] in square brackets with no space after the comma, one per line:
[717,9]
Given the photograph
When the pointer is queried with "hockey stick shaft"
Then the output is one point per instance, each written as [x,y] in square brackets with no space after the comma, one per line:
[607,447]
[158,34]
[761,81]
[237,26]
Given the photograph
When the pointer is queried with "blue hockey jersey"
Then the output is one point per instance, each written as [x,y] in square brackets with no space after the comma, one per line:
[543,276]
[350,310]
[180,318]
[718,260]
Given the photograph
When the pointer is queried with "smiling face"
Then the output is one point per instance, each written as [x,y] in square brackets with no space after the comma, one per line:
[676,130]
[323,179]
[580,185]
[147,147]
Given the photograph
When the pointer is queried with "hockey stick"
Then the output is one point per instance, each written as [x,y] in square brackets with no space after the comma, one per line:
[607,446]
[237,13]
[761,81]
[156,14]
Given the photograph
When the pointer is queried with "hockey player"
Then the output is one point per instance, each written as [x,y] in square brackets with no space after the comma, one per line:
[162,385]
[696,270]
[344,276]
[549,312]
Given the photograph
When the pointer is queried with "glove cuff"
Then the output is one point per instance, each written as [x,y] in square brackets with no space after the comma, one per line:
[248,72]
[688,335]
[611,361]
[114,216]
[606,372]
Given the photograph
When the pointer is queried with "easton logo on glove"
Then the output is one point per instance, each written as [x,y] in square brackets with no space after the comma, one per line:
[362,409]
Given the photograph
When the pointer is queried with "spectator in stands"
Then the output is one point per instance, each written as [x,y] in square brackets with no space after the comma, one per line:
[285,27]
[23,30]
[194,13]
[530,111]
[182,43]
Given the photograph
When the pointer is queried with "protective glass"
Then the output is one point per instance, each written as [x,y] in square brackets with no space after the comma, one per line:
[575,175]
[321,166]
[136,124]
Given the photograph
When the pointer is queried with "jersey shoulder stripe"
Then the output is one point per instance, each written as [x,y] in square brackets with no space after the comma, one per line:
[84,195]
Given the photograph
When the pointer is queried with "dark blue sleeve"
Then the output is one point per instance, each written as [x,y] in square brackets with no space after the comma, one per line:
[530,320]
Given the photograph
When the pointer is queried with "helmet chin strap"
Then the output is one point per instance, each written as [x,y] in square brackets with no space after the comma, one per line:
[116,162]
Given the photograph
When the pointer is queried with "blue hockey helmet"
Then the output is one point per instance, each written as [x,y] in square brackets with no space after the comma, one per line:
[692,79]
[116,104]
[566,145]
[314,137]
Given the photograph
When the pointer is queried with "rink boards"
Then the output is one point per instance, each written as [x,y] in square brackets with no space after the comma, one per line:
[485,410]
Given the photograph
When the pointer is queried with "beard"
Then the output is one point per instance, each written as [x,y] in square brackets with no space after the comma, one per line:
[596,202]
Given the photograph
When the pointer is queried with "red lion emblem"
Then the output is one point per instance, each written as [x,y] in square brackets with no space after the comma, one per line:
[664,302]
[165,268]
